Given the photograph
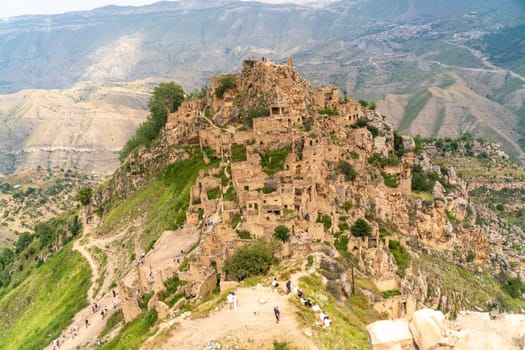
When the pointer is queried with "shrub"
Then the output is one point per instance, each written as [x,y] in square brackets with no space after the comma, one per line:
[213,193]
[244,234]
[273,160]
[282,233]
[401,256]
[238,153]
[84,195]
[329,112]
[361,123]
[361,228]
[422,181]
[309,260]
[471,256]
[347,169]
[166,97]
[230,194]
[341,243]
[250,260]
[268,188]
[308,123]
[390,180]
[225,83]
[256,113]
[326,220]
[391,293]
[277,345]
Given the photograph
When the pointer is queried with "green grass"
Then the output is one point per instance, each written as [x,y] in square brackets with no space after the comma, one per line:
[238,152]
[464,289]
[113,320]
[165,200]
[348,330]
[43,304]
[134,333]
[273,160]
[415,104]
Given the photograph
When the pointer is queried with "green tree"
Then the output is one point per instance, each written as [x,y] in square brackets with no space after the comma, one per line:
[253,259]
[84,195]
[361,228]
[347,169]
[282,233]
[166,98]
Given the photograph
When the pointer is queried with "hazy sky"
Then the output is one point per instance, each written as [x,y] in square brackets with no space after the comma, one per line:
[10,8]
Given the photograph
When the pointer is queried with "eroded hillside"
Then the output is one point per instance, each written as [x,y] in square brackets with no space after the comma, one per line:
[318,188]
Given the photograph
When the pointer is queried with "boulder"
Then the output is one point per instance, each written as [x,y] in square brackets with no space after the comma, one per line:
[426,328]
[390,335]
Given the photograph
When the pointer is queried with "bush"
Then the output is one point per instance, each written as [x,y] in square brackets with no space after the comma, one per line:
[361,123]
[390,180]
[225,83]
[282,233]
[273,160]
[256,113]
[347,169]
[326,220]
[422,181]
[471,256]
[213,193]
[244,234]
[401,256]
[329,112]
[84,195]
[166,97]
[230,195]
[361,228]
[238,153]
[250,260]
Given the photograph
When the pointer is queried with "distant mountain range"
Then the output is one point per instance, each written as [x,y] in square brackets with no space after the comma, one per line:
[437,67]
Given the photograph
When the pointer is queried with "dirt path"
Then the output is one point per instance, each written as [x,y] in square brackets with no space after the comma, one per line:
[251,326]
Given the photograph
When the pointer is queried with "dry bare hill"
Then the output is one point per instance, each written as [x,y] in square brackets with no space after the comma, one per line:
[84,126]
[452,111]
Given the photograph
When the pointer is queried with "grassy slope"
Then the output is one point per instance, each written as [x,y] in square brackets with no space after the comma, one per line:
[349,319]
[165,200]
[415,104]
[462,287]
[39,308]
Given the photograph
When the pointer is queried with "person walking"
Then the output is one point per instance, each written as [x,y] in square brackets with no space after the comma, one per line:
[288,287]
[234,298]
[277,314]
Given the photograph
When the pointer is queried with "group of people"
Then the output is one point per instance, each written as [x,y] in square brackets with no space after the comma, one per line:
[325,320]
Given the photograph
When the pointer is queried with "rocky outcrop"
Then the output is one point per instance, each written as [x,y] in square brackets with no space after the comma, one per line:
[429,330]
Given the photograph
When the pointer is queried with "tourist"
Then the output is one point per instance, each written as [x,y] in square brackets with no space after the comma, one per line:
[308,303]
[322,316]
[86,321]
[327,322]
[288,287]
[316,307]
[229,300]
[234,299]
[277,314]
[275,284]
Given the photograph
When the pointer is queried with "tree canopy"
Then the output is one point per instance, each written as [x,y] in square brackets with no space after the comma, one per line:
[253,259]
[166,98]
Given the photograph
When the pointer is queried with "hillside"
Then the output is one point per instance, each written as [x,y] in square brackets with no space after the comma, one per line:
[395,53]
[315,188]
[83,127]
